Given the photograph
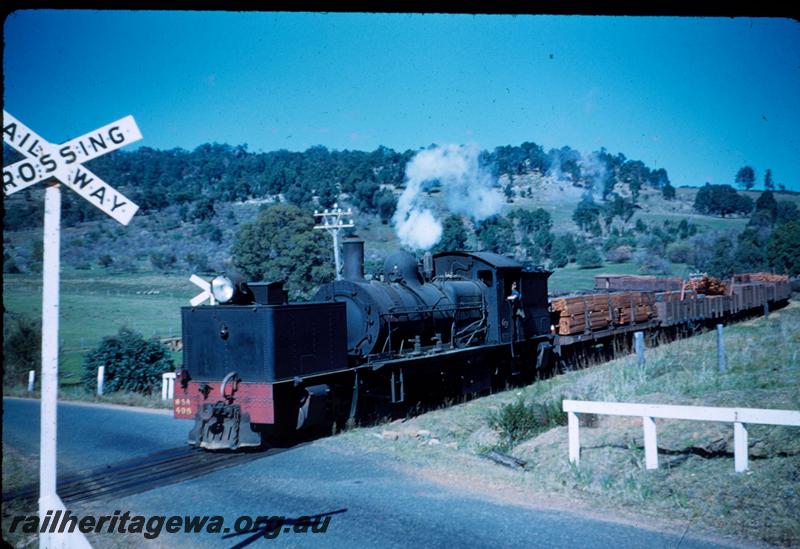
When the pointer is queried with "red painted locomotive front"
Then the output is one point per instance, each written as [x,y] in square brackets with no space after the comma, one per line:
[255,399]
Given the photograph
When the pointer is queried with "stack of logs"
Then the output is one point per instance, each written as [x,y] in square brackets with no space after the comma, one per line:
[578,314]
[707,285]
[760,277]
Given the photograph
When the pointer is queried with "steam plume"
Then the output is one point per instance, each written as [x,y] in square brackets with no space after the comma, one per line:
[467,189]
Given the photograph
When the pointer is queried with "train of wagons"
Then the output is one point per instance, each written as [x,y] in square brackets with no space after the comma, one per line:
[257,367]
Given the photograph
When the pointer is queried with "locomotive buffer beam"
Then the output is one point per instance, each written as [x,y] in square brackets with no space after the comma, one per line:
[223,426]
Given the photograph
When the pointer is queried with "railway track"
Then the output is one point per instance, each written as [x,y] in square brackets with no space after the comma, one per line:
[141,474]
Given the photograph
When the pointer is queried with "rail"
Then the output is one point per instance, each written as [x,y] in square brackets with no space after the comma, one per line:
[650,412]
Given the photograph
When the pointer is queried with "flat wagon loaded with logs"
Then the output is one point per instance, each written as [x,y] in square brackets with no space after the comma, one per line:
[621,304]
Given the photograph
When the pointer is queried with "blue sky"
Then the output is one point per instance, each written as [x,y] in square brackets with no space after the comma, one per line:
[700,97]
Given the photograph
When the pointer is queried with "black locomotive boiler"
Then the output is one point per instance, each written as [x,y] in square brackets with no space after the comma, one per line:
[256,365]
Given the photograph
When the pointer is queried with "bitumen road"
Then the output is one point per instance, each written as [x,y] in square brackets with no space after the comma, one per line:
[368,501]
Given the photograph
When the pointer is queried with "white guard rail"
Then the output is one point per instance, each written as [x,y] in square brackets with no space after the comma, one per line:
[649,412]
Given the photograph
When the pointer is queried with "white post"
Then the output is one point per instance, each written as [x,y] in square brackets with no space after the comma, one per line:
[167,385]
[574,437]
[650,444]
[638,338]
[336,259]
[721,362]
[50,305]
[31,380]
[739,447]
[101,380]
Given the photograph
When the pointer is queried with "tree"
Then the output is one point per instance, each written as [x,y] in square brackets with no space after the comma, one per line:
[722,261]
[668,191]
[746,177]
[767,203]
[508,191]
[751,250]
[454,234]
[203,210]
[721,200]
[786,212]
[22,344]
[131,363]
[659,178]
[496,234]
[636,174]
[385,203]
[769,184]
[564,250]
[282,245]
[589,258]
[587,213]
[783,248]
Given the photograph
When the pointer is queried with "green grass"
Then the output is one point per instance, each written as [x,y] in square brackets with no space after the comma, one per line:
[95,304]
[572,278]
[757,506]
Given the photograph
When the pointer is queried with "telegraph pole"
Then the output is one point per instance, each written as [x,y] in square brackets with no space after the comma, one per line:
[334,221]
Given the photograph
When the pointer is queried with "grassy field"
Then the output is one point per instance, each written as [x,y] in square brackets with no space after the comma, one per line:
[696,488]
[572,278]
[95,304]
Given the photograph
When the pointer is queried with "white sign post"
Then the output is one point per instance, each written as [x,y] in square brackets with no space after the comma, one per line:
[44,161]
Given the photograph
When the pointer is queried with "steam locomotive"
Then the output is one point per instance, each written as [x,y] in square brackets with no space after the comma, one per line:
[256,367]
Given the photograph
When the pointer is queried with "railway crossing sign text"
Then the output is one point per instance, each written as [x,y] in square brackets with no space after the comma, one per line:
[65,163]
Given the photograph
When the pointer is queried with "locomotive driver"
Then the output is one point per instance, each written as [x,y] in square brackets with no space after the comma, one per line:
[515,300]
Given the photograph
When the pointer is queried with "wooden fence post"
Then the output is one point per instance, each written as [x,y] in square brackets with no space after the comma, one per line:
[739,447]
[574,438]
[650,443]
[638,338]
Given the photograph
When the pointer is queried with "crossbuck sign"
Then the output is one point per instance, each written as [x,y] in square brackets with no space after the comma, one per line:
[44,161]
[65,163]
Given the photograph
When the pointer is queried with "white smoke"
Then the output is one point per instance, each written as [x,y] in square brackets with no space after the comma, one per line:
[594,170]
[466,186]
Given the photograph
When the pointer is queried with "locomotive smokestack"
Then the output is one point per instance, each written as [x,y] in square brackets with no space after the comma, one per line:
[353,268]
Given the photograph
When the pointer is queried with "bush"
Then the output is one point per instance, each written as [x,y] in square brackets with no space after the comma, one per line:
[620,254]
[519,421]
[679,252]
[653,264]
[131,363]
[163,261]
[589,258]
[197,262]
[22,349]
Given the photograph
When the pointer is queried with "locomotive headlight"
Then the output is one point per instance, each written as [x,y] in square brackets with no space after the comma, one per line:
[223,289]
[231,289]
